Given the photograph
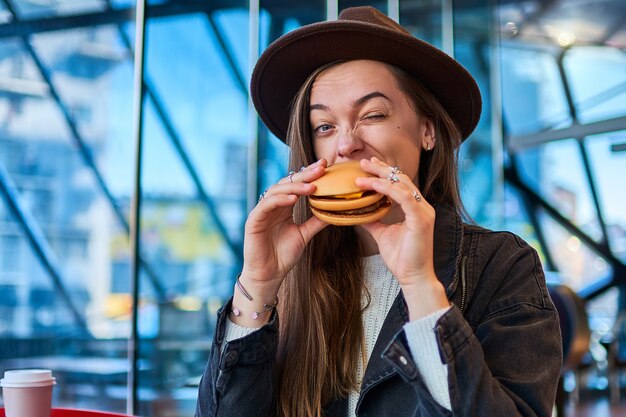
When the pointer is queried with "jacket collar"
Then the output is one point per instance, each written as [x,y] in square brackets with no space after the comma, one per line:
[447,246]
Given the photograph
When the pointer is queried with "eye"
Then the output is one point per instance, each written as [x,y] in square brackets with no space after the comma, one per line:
[323,128]
[375,116]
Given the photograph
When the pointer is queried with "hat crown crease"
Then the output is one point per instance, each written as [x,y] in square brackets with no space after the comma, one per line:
[368,14]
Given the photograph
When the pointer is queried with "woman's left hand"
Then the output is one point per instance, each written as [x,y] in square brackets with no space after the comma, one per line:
[406,246]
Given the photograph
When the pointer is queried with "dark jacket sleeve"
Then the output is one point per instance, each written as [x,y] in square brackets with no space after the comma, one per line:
[239,379]
[507,362]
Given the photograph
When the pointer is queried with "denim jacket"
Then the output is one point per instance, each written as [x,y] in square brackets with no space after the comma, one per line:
[501,341]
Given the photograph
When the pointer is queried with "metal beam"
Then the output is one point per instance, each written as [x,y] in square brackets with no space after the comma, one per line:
[174,137]
[19,27]
[511,175]
[235,247]
[230,59]
[135,231]
[83,149]
[516,144]
[601,249]
[618,147]
[39,244]
[581,147]
[595,197]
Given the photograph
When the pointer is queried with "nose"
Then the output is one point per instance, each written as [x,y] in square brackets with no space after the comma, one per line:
[349,142]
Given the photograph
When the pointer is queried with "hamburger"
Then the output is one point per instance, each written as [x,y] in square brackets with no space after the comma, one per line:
[338,201]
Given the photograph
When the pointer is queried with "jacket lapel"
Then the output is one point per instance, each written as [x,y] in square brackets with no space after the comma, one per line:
[447,254]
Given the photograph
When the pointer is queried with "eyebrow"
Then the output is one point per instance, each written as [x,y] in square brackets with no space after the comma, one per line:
[367,97]
[357,103]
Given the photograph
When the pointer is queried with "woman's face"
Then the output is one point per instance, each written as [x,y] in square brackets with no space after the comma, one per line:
[357,111]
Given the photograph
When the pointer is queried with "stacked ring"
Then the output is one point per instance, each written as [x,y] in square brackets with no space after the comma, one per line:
[393,176]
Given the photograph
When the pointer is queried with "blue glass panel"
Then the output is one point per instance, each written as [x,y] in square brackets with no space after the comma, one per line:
[200,94]
[276,20]
[516,218]
[556,172]
[26,9]
[609,168]
[598,82]
[82,234]
[578,266]
[424,20]
[533,98]
[195,157]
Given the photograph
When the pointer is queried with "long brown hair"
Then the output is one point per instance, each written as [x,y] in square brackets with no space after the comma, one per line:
[321,330]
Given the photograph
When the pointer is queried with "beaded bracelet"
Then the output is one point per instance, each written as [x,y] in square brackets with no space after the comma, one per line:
[255,314]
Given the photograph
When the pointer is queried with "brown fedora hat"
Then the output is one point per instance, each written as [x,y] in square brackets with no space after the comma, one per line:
[358,33]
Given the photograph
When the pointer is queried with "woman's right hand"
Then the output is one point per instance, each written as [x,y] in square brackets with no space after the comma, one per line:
[273,243]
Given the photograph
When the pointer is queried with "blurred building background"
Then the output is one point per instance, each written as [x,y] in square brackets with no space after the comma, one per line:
[547,161]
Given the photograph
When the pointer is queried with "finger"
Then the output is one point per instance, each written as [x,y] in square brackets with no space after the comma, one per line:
[287,188]
[374,228]
[306,174]
[311,227]
[266,208]
[395,175]
[382,170]
[407,196]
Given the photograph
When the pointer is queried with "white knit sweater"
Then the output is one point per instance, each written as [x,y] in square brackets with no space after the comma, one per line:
[383,288]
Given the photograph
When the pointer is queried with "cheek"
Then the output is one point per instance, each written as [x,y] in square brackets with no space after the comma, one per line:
[321,149]
[408,155]
[413,168]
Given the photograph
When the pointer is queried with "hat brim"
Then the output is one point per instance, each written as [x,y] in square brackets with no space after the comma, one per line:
[285,65]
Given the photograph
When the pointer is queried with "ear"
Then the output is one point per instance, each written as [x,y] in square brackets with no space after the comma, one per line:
[428,137]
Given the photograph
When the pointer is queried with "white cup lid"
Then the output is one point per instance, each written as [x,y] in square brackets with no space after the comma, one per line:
[20,378]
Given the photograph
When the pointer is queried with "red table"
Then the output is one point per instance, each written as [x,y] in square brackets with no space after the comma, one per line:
[71,412]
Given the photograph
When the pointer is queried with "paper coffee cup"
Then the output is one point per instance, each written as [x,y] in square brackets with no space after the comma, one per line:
[27,392]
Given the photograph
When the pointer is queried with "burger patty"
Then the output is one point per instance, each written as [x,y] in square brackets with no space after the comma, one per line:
[364,210]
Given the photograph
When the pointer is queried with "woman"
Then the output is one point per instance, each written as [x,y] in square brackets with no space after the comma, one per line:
[415,315]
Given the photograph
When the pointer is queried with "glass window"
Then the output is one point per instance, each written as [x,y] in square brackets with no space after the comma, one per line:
[42,9]
[274,21]
[605,97]
[380,5]
[602,314]
[58,121]
[556,172]
[609,167]
[195,161]
[424,20]
[577,264]
[533,98]
[10,253]
[516,218]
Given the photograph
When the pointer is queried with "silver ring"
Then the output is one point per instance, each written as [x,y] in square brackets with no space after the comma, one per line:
[395,170]
[262,196]
[393,178]
[290,175]
[416,196]
[302,168]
